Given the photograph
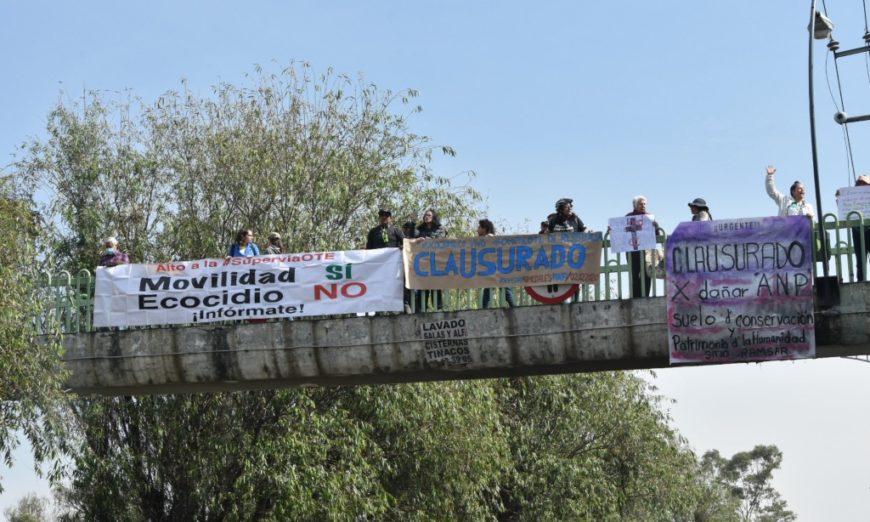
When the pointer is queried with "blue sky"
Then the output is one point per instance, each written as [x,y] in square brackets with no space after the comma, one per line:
[594,101]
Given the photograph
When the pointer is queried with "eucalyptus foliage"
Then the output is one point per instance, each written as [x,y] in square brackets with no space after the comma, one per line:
[310,156]
[747,476]
[31,372]
[313,157]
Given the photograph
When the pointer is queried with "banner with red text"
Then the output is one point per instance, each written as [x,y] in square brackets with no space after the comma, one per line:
[264,287]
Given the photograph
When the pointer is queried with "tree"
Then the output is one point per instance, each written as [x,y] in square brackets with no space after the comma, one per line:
[419,452]
[312,157]
[748,475]
[104,179]
[594,447]
[30,508]
[31,371]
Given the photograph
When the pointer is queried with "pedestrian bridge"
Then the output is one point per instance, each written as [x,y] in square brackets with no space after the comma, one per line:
[500,342]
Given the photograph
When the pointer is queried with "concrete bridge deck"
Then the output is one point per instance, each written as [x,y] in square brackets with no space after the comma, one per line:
[532,340]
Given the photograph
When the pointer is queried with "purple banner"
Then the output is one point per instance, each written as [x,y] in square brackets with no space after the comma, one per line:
[740,290]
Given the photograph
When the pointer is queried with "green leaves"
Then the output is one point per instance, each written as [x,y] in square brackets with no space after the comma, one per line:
[746,477]
[312,157]
[31,372]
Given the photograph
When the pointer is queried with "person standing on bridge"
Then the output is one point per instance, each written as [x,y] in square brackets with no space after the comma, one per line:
[244,245]
[857,233]
[275,246]
[430,228]
[793,205]
[640,284]
[700,210]
[112,255]
[387,235]
[487,229]
[565,220]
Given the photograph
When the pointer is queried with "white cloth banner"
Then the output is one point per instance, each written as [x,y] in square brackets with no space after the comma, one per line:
[850,199]
[632,233]
[264,287]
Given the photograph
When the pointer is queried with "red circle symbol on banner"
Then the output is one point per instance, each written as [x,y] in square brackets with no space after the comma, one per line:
[551,294]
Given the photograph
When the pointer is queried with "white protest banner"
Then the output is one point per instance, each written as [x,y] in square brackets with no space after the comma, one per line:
[632,233]
[271,286]
[741,290]
[852,199]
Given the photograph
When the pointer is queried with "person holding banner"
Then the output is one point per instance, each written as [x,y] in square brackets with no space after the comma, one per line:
[700,210]
[429,228]
[640,285]
[793,205]
[857,233]
[565,220]
[486,228]
[244,245]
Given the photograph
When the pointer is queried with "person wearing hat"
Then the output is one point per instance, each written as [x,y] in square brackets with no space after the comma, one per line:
[565,220]
[795,204]
[700,210]
[857,232]
[112,255]
[386,235]
[275,246]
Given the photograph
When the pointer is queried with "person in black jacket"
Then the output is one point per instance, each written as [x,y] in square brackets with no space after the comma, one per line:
[565,220]
[430,228]
[387,235]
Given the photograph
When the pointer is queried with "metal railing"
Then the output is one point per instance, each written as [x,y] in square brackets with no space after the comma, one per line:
[69,298]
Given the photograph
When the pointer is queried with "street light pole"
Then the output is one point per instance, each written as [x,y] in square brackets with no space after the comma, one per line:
[823,239]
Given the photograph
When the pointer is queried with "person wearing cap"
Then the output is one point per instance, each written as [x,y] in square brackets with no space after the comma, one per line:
[275,246]
[857,232]
[565,220]
[112,255]
[640,285]
[244,245]
[793,205]
[385,235]
[700,210]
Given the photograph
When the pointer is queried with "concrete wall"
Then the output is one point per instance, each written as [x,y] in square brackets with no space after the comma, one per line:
[594,336]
